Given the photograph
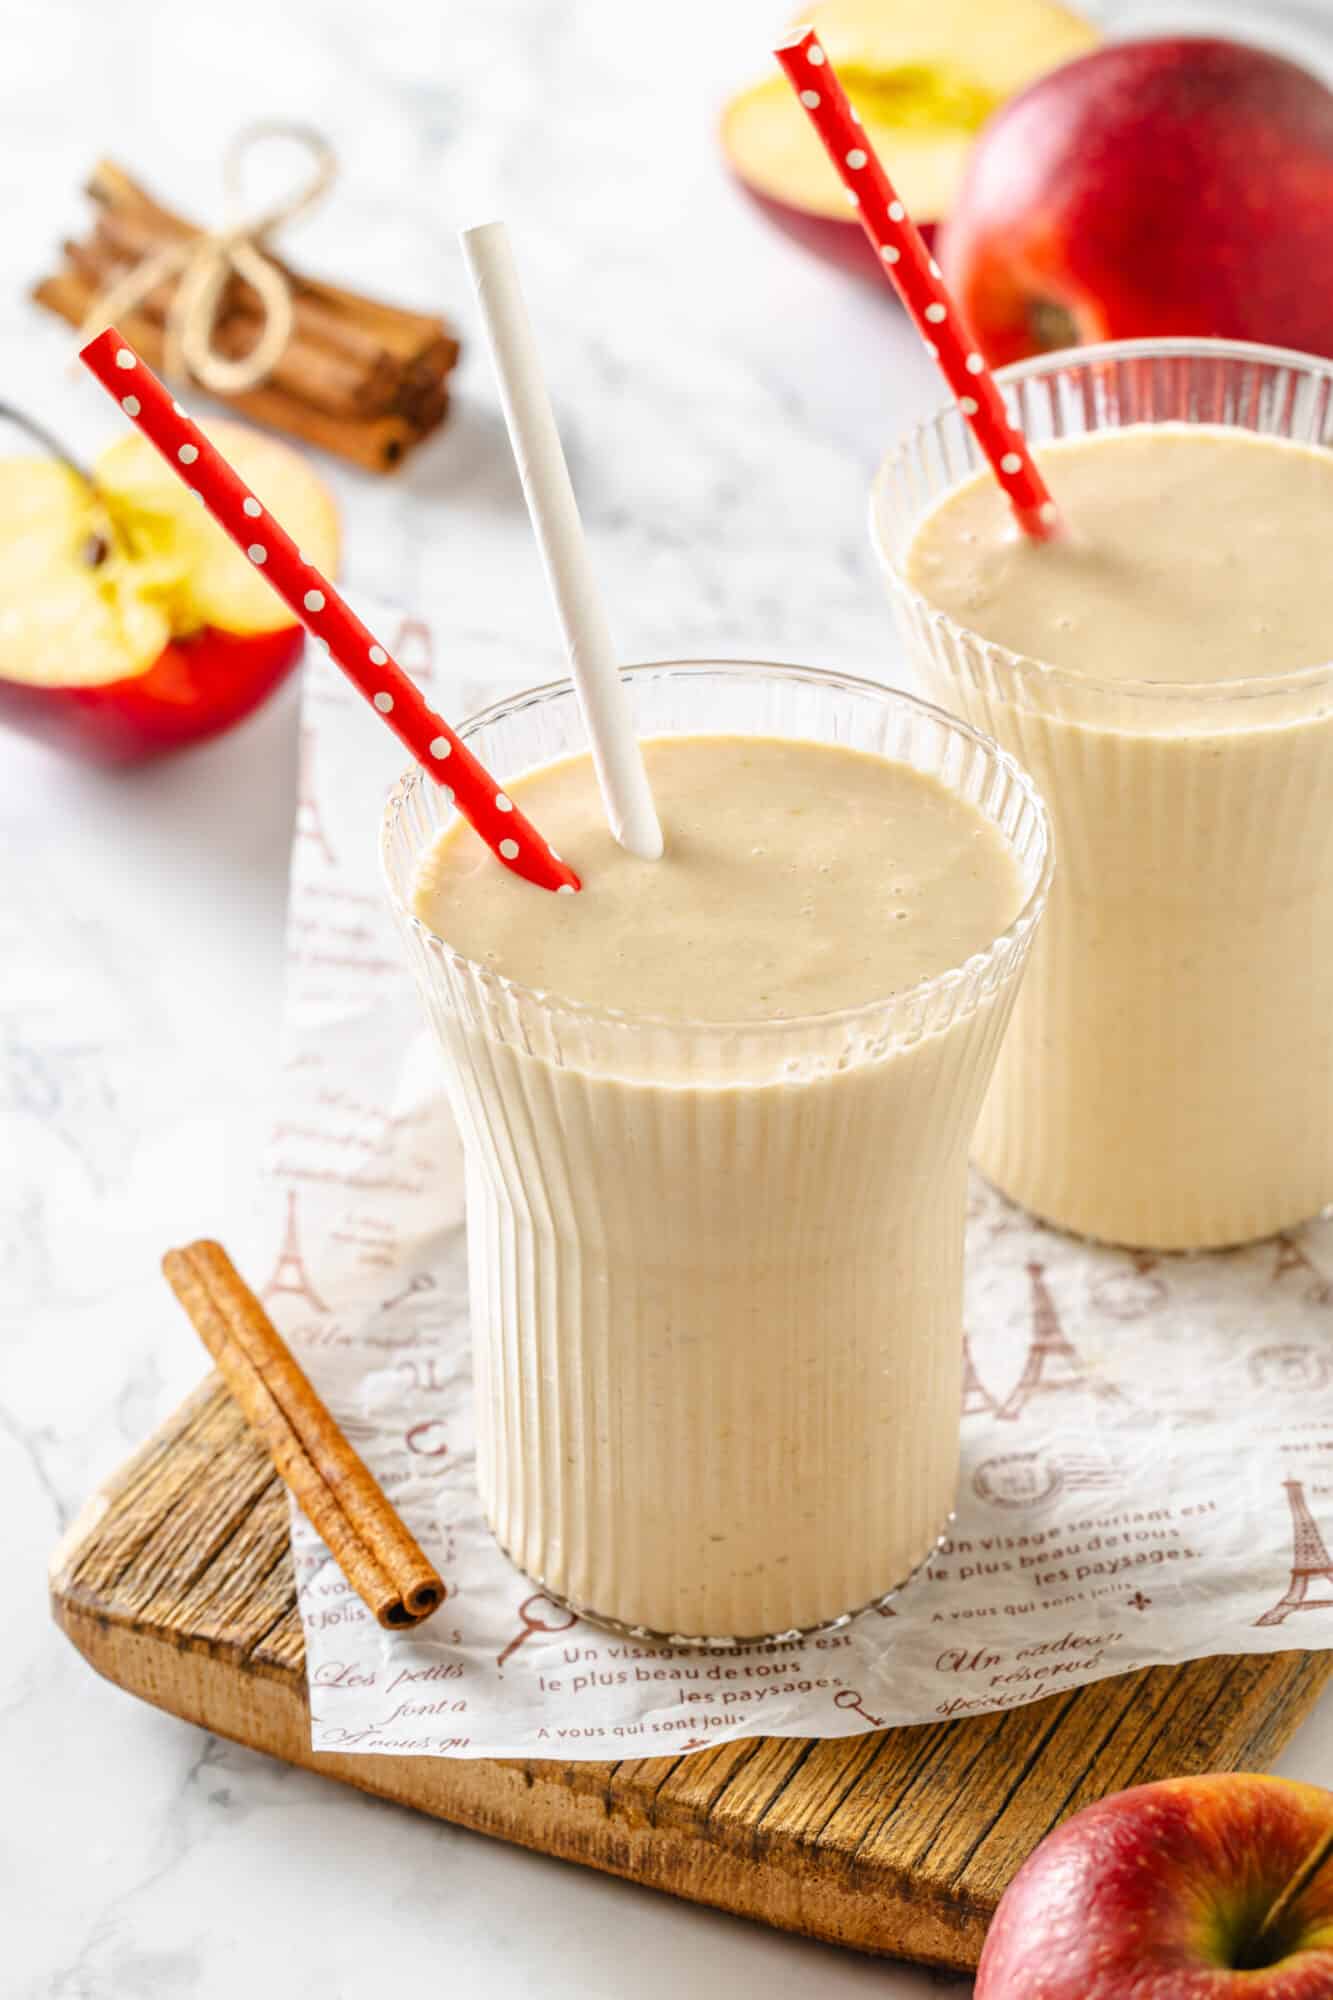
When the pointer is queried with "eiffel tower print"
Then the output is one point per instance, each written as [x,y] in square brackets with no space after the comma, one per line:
[414,650]
[1310,1562]
[977,1398]
[1052,1367]
[1131,1294]
[1291,1257]
[290,1278]
[1290,1366]
[309,825]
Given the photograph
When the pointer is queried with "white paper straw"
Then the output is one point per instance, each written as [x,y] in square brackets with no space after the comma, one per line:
[616,755]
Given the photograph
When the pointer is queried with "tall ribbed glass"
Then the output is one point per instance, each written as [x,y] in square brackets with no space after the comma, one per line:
[716,1272]
[1168,1082]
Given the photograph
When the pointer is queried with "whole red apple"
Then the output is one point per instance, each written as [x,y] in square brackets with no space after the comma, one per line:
[1152,187]
[1164,1892]
[128,623]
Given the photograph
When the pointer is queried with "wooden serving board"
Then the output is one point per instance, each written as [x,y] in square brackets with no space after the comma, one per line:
[176,1583]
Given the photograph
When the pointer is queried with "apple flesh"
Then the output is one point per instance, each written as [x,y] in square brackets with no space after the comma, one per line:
[1163,1893]
[1182,186]
[129,624]
[924,76]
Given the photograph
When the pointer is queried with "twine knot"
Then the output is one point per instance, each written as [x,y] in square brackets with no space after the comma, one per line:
[204,262]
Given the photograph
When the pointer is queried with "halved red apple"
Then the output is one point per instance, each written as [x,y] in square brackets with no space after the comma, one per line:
[925,75]
[128,622]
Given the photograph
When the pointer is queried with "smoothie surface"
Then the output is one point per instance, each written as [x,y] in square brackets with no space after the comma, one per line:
[1196,553]
[798,878]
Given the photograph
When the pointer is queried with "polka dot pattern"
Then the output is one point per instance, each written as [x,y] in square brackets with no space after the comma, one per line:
[917,277]
[516,843]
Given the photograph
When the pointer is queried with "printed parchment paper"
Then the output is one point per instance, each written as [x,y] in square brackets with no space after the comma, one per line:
[1147,1442]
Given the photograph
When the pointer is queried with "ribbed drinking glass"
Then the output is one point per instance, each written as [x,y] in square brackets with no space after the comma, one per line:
[716,1271]
[1168,1080]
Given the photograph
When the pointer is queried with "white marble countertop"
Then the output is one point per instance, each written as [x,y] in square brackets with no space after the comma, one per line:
[724,400]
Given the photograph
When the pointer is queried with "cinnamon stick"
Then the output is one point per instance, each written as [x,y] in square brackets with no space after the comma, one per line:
[358,377]
[324,376]
[377,443]
[123,238]
[146,224]
[364,1534]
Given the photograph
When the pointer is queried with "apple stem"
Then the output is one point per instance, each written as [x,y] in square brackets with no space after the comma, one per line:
[1314,1862]
[97,548]
[47,440]
[1052,325]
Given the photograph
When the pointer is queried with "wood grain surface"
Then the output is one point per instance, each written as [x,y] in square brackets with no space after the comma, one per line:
[176,1583]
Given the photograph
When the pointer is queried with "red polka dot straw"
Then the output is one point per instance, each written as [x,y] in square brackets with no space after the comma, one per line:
[315,601]
[906,260]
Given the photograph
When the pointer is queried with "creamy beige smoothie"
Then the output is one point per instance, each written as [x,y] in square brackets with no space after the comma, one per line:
[716,1269]
[1169,1079]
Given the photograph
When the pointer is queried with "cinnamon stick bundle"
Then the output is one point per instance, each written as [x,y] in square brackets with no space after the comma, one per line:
[358,377]
[350,1512]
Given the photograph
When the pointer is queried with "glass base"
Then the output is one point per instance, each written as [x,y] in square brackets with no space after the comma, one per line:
[645,1633]
[1152,1243]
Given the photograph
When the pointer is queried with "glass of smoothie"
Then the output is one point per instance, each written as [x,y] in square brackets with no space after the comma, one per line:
[716,1111]
[1165,672]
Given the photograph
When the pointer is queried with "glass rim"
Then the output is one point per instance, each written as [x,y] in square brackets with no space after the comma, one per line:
[1006,946]
[1252,687]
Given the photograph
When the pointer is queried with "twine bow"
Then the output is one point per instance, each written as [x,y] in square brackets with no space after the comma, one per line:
[204,262]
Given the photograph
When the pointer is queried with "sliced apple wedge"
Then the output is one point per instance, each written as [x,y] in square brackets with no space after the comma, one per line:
[128,622]
[73,609]
[925,75]
[220,587]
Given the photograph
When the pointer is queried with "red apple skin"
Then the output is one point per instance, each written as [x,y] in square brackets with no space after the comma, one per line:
[1143,1895]
[1153,187]
[837,242]
[196,687]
